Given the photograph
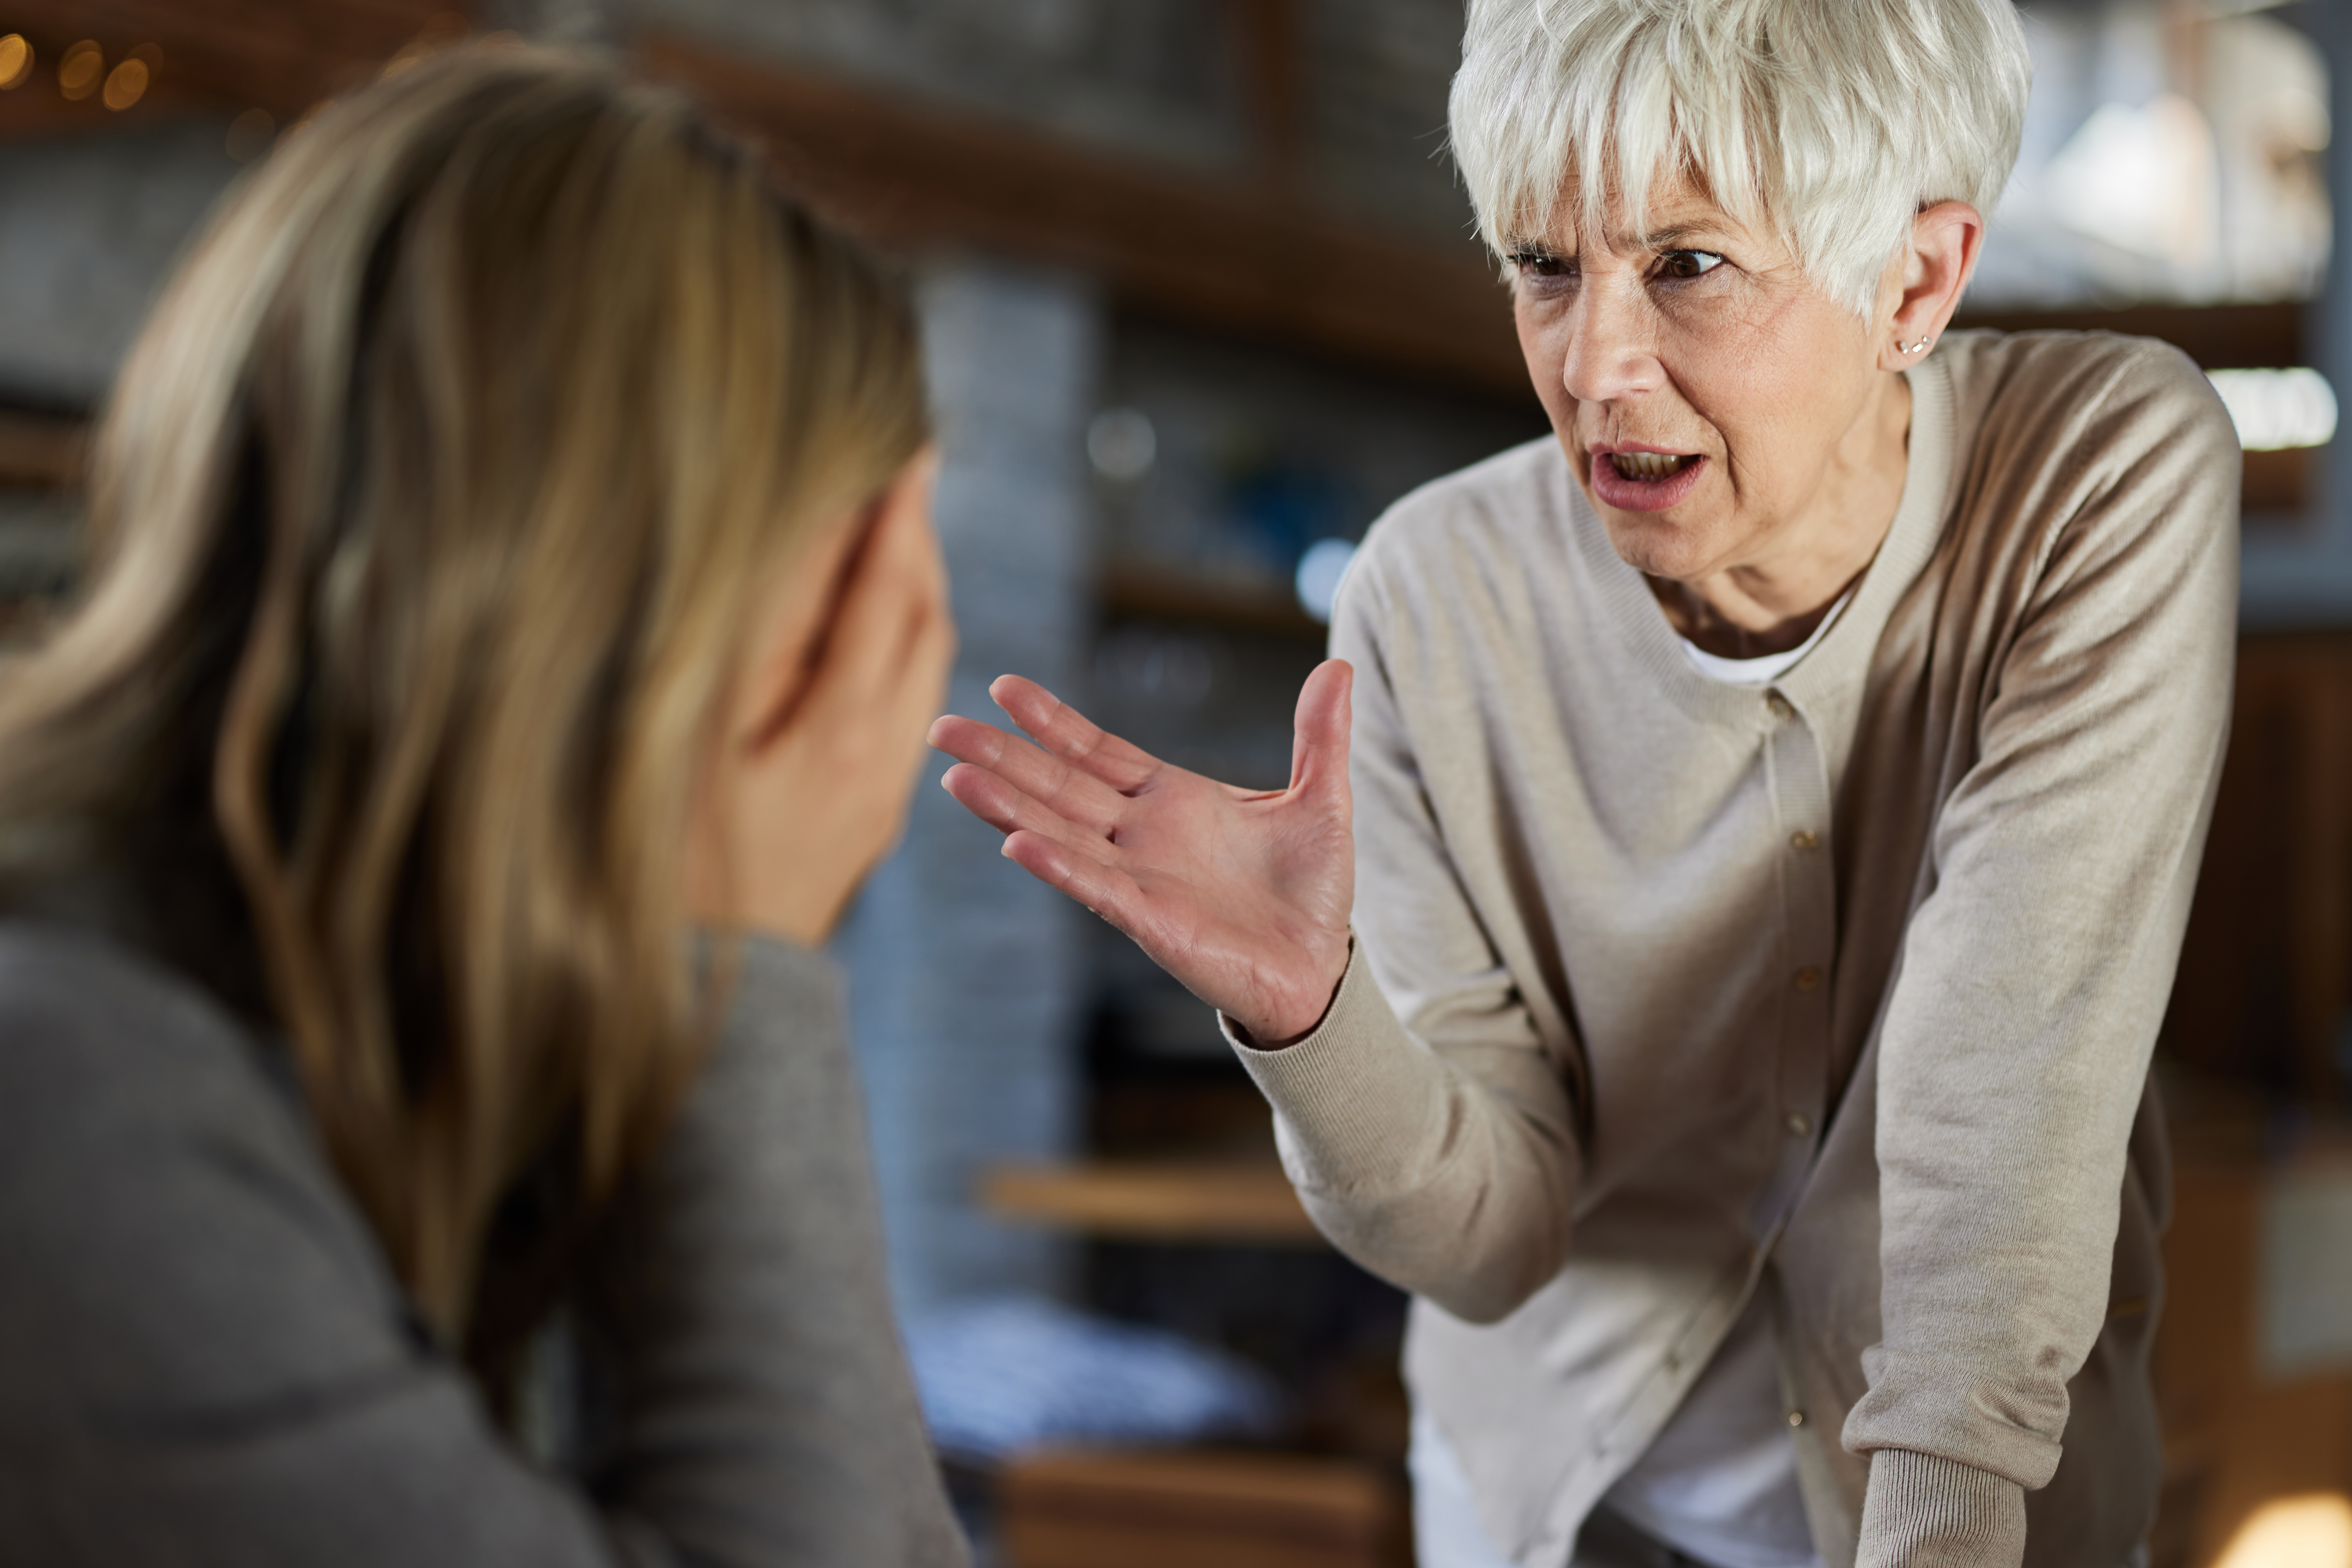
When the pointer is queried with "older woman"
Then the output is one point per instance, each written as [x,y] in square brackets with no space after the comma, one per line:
[1775,806]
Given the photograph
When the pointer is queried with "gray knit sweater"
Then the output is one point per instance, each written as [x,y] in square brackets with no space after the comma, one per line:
[203,1359]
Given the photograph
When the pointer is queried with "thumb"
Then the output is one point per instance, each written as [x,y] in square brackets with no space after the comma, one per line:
[1318,747]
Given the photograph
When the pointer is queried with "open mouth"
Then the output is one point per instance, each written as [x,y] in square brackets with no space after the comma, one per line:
[1648,467]
[1645,481]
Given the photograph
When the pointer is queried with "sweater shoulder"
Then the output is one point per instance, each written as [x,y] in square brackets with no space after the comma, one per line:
[1496,508]
[176,1241]
[2100,396]
[97,1036]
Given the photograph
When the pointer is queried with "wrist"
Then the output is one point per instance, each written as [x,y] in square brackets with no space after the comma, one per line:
[1288,1027]
[1924,1511]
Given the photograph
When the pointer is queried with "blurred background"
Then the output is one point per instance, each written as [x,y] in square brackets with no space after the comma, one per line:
[1201,299]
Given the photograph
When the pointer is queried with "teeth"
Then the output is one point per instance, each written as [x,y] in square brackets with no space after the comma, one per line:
[1646,465]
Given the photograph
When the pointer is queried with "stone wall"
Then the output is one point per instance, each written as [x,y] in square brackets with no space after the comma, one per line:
[966,973]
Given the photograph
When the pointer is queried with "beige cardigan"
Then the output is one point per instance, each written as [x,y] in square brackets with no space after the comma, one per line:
[1843,991]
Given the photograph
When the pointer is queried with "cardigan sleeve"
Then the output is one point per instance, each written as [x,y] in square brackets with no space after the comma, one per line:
[2034,974]
[1429,1134]
[203,1359]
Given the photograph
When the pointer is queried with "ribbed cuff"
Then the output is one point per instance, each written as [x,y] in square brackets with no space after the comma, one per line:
[1354,1098]
[1926,1511]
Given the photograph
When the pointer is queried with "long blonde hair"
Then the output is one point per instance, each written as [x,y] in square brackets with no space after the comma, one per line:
[429,519]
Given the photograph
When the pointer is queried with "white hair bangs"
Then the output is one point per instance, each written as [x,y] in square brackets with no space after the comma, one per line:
[1831,122]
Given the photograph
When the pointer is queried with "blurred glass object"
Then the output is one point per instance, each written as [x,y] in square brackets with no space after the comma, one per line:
[2170,154]
[2306,1278]
[250,134]
[1320,572]
[2278,409]
[1121,444]
[15,61]
[79,70]
[1277,503]
[1173,668]
[1258,454]
[2314,1530]
[1000,1377]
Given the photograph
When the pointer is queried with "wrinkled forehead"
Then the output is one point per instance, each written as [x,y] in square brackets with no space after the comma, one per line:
[1679,210]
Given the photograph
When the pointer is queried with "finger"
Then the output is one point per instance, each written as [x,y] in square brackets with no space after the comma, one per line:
[1009,811]
[1103,889]
[1071,793]
[892,588]
[1069,735]
[984,745]
[906,522]
[1319,746]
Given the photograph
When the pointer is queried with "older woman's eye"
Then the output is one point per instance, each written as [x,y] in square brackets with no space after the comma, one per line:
[1541,264]
[1688,263]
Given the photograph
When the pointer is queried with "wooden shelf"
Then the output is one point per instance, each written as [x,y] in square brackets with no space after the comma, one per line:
[1176,1508]
[2218,337]
[39,452]
[1233,251]
[1148,1200]
[1154,594]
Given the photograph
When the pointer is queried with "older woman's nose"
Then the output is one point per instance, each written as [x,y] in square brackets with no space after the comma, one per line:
[1610,351]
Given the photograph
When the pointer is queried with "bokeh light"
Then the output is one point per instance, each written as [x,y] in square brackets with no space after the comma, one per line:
[126,84]
[79,70]
[2277,409]
[2314,1530]
[15,61]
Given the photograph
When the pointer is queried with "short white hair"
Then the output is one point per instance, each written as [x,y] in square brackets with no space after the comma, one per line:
[1829,122]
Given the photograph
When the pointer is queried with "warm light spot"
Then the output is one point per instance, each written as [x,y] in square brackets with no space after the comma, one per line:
[249,134]
[79,71]
[2279,409]
[126,84]
[2314,1530]
[15,61]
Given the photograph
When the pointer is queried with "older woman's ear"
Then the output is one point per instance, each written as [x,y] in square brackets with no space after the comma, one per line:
[1928,277]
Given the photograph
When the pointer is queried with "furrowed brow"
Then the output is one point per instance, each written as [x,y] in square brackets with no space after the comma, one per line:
[1678,236]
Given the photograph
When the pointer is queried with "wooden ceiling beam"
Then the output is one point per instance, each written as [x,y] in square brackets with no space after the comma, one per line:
[1236,255]
[223,54]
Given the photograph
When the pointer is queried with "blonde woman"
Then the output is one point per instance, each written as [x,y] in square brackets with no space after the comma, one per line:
[513,615]
[1718,973]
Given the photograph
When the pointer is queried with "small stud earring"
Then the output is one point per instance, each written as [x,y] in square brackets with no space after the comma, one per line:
[1914,348]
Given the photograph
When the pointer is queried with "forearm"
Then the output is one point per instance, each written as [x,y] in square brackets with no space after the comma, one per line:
[1925,1511]
[1429,1179]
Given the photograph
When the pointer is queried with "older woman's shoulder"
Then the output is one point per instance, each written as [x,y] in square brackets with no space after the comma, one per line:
[1501,502]
[2102,387]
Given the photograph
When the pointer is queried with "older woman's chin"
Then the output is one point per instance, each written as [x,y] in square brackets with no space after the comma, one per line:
[1681,549]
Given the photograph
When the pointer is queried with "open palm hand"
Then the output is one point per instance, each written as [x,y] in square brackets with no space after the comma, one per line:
[1242,895]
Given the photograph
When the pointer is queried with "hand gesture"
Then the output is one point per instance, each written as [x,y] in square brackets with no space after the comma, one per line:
[812,784]
[1242,895]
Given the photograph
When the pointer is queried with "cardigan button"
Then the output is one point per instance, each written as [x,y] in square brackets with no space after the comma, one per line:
[1800,1124]
[1796,1418]
[1778,704]
[1804,839]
